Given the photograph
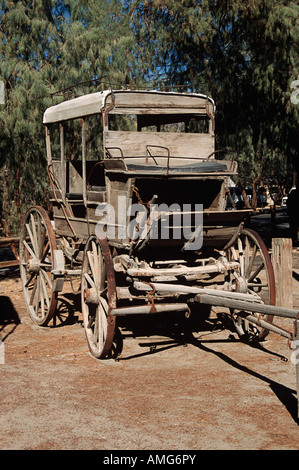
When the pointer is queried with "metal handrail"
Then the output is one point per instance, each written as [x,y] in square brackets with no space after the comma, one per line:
[161,147]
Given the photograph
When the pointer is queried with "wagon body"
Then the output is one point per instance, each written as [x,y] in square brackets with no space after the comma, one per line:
[175,167]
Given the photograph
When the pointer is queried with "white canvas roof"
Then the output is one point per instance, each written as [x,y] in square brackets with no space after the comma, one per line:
[77,107]
[128,101]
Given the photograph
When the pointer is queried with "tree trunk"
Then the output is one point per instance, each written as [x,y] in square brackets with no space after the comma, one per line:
[245,197]
[254,193]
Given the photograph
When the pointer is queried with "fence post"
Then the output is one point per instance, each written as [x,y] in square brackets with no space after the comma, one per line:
[283,271]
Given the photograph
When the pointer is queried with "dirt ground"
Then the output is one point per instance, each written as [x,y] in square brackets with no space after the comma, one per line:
[211,392]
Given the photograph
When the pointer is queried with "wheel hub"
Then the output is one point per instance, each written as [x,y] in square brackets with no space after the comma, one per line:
[240,285]
[33,265]
[91,296]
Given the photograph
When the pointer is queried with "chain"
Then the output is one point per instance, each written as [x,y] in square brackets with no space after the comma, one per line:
[136,191]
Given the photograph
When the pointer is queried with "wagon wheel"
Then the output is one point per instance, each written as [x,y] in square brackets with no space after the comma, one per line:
[37,245]
[255,275]
[98,296]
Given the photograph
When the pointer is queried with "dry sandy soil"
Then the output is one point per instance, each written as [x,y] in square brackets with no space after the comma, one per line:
[212,392]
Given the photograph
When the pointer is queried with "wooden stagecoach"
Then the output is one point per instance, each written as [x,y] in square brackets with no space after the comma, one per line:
[139,213]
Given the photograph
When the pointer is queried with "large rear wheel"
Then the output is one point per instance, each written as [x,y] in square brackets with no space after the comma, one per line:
[98,297]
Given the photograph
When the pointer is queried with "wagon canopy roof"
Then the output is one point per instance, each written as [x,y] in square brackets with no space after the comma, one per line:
[130,102]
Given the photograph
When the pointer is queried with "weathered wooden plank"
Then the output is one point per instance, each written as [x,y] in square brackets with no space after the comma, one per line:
[282,265]
[9,264]
[138,101]
[158,111]
[179,144]
[6,241]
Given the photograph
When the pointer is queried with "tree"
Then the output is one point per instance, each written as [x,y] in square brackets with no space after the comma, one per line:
[27,46]
[245,53]
[45,46]
[97,42]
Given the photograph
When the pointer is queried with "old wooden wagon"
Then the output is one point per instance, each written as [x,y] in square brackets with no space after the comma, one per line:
[139,213]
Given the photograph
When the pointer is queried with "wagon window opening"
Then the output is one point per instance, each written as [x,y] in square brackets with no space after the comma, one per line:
[69,140]
[72,139]
[120,122]
[195,124]
[199,125]
[55,141]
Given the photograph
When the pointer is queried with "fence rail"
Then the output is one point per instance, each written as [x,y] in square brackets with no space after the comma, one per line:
[12,242]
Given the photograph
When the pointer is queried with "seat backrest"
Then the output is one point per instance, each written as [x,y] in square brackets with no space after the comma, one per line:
[139,144]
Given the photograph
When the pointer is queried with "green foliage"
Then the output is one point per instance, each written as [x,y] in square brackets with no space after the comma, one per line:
[245,53]
[45,46]
[25,32]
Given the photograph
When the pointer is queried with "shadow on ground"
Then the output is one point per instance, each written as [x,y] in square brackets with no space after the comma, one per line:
[9,316]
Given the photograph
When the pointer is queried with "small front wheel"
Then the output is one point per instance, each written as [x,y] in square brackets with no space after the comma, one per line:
[37,245]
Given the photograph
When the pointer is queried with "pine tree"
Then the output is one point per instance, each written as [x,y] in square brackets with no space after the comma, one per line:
[97,42]
[27,46]
[45,46]
[245,54]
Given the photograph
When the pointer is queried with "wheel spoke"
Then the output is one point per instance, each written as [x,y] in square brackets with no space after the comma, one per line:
[33,242]
[44,288]
[91,264]
[39,236]
[103,320]
[252,258]
[241,256]
[96,262]
[89,280]
[247,255]
[90,321]
[33,292]
[96,330]
[42,300]
[45,252]
[29,249]
[34,234]
[256,272]
[29,279]
[47,278]
[37,298]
